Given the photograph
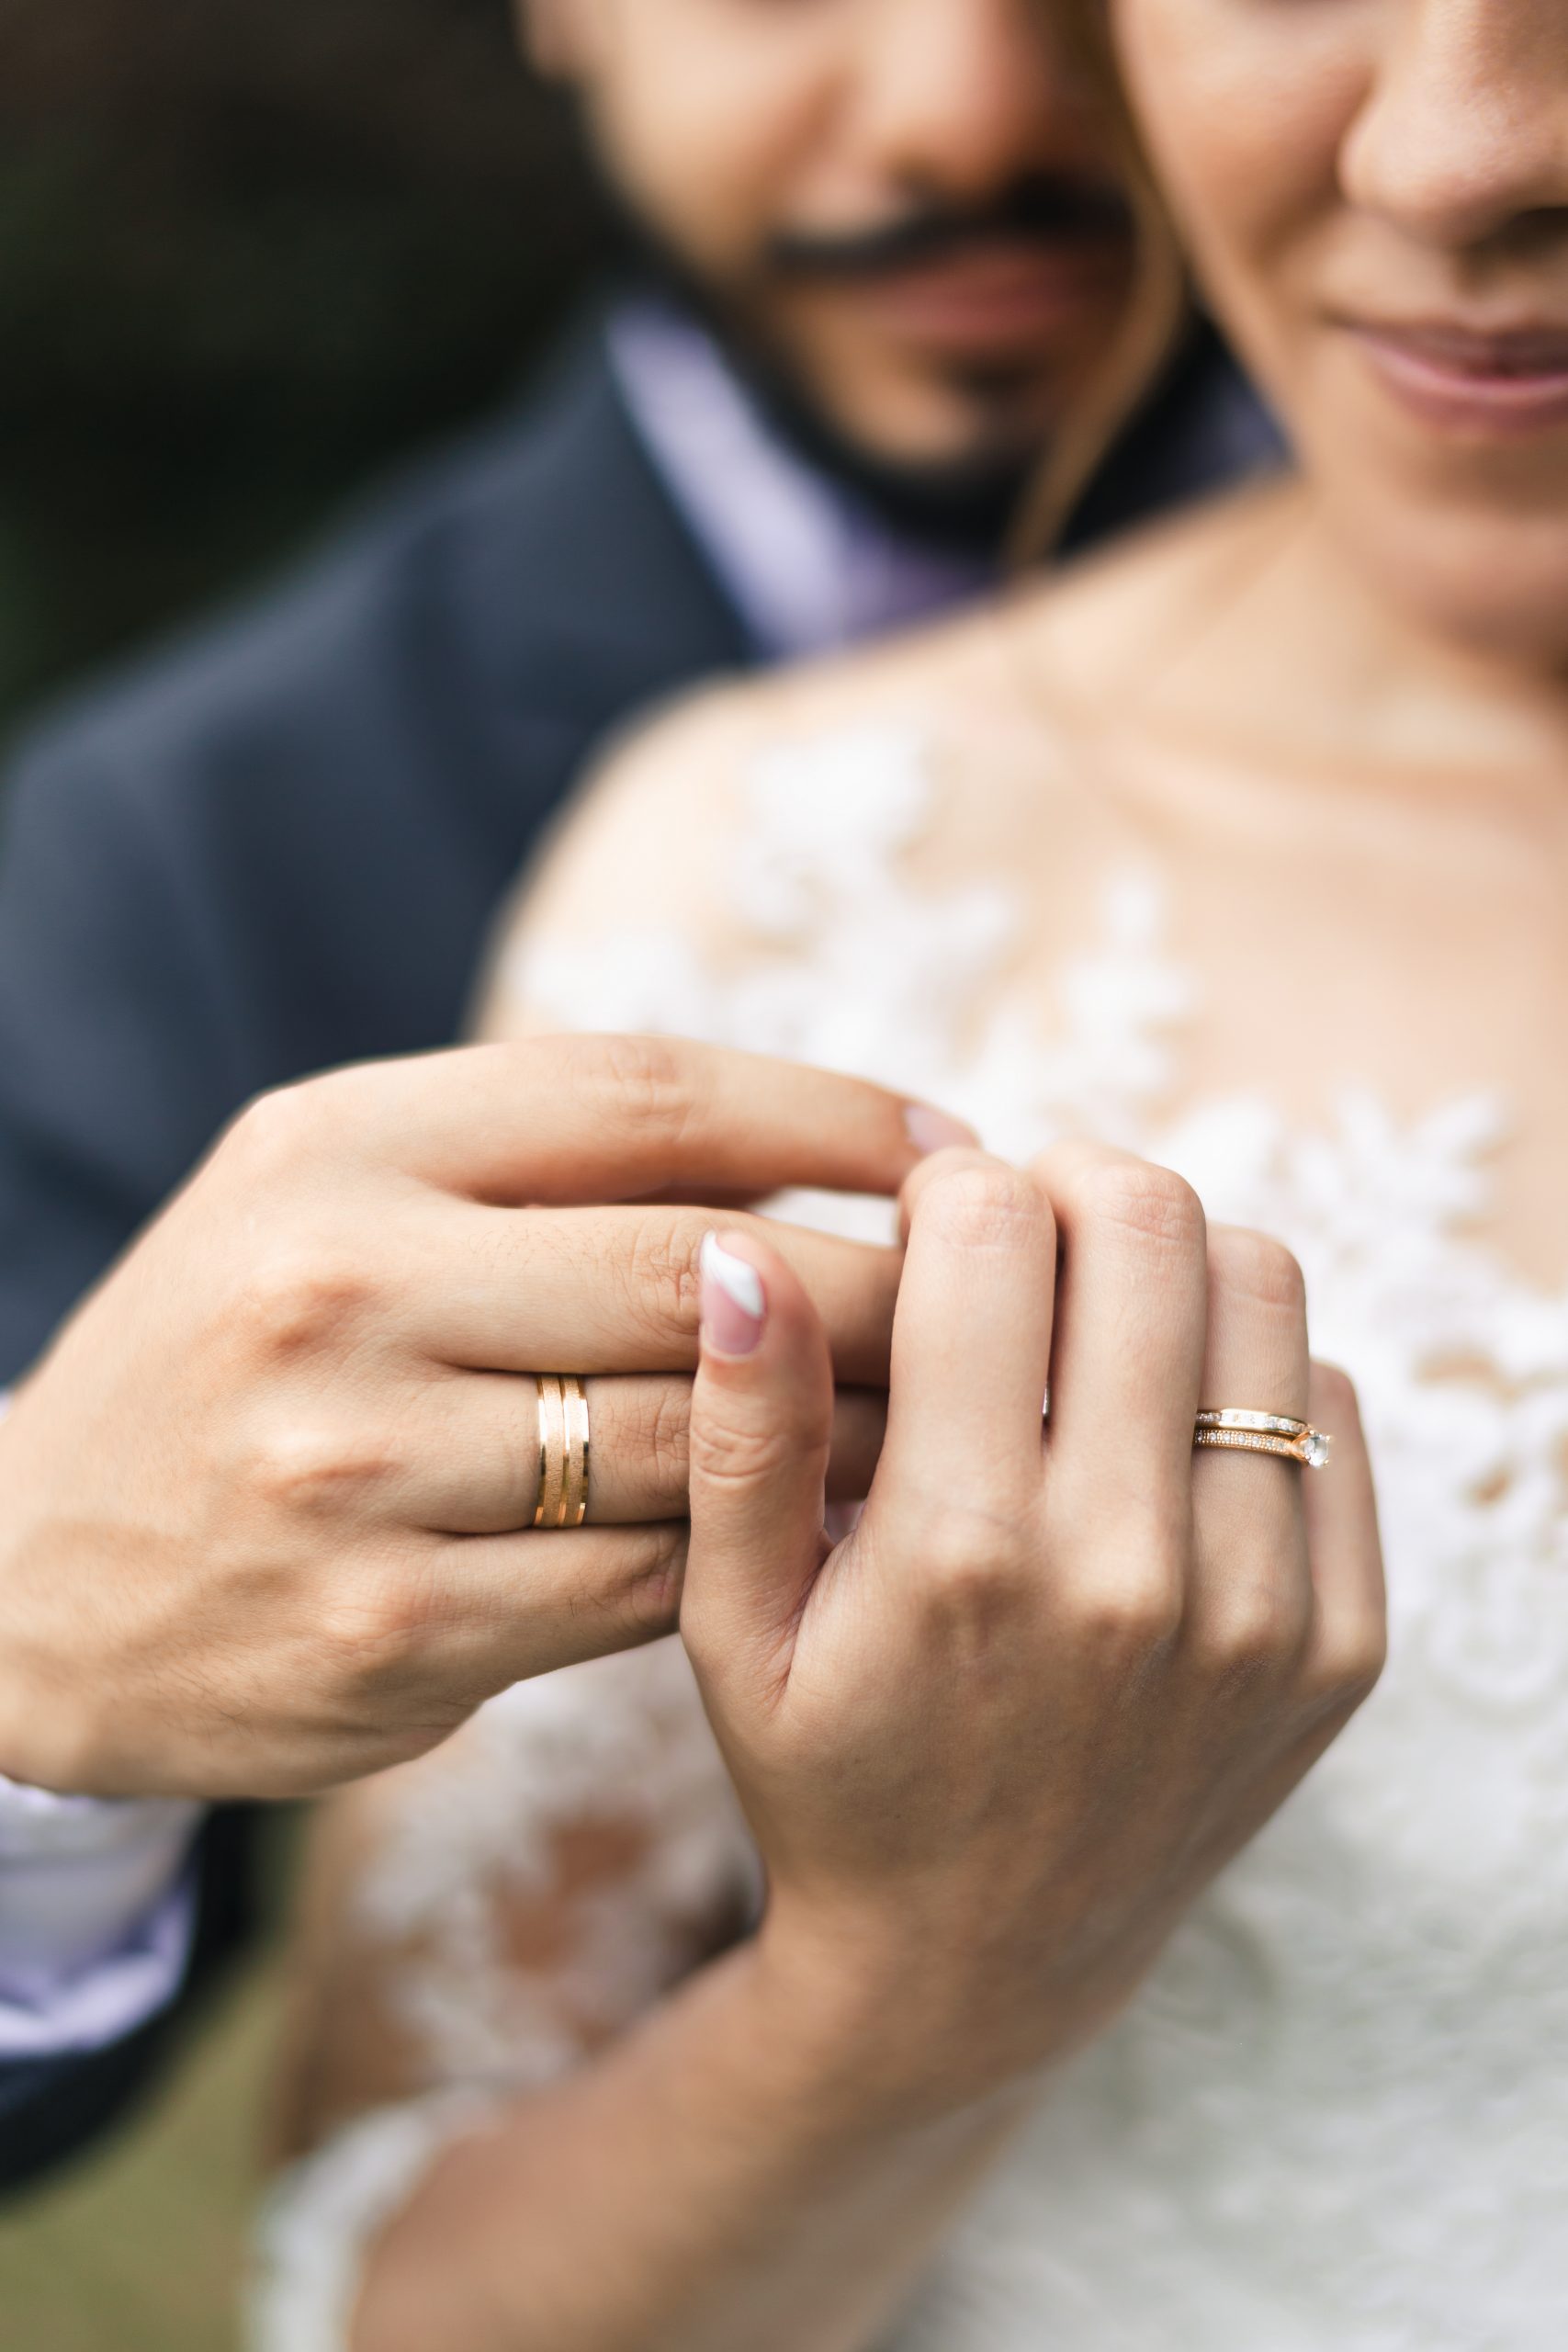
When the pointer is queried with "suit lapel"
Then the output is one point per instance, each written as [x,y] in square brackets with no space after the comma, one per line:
[618,603]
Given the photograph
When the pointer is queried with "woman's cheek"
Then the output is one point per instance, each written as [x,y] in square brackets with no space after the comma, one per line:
[1244,106]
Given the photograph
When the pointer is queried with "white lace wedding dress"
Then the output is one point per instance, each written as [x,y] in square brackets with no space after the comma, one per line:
[1336,2119]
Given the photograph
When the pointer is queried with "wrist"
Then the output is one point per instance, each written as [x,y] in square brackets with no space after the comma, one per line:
[58,1707]
[793,2076]
[42,1743]
[885,2037]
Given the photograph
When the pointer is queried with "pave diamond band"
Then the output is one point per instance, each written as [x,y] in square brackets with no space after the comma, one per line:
[1237,1417]
[1239,1430]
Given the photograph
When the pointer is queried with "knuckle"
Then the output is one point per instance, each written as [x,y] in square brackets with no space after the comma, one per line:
[936,1168]
[372,1630]
[648,1081]
[972,1559]
[274,1129]
[1349,1660]
[1123,1615]
[1262,1624]
[983,1205]
[1138,1197]
[666,1437]
[660,1278]
[299,1298]
[650,1428]
[318,1471]
[1259,1267]
[727,1452]
[652,1578]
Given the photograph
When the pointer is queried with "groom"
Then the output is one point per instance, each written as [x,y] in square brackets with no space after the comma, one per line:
[883,250]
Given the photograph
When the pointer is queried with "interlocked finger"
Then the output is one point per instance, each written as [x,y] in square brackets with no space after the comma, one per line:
[600,1117]
[1130,1303]
[614,1290]
[971,1350]
[480,1472]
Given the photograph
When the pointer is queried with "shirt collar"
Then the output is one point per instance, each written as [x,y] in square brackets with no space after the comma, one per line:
[808,565]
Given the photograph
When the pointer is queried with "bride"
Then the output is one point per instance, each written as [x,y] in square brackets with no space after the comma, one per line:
[1244,850]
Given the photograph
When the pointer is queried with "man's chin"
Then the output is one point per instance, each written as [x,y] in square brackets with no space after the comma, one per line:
[961,491]
[950,465]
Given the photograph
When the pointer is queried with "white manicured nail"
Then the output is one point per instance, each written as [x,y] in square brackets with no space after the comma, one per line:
[734,1303]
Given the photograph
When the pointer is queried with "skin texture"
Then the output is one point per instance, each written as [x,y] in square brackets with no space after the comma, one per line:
[1014,1730]
[728,123]
[1155,1655]
[260,1521]
[264,1493]
[1341,165]
[299,1506]
[1331,715]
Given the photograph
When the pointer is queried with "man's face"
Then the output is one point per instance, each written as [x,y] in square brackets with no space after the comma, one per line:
[905,207]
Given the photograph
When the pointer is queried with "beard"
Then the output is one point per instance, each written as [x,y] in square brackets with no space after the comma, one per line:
[965,503]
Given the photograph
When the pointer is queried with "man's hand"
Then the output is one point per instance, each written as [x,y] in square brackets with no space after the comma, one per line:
[263,1498]
[995,1743]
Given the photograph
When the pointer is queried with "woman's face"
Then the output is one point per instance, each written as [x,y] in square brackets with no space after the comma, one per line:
[1376,194]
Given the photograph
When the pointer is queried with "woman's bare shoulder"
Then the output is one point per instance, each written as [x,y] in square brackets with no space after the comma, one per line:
[653,828]
[654,823]
[701,741]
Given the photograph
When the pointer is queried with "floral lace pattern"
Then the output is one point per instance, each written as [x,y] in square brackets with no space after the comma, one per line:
[620,1746]
[1338,2113]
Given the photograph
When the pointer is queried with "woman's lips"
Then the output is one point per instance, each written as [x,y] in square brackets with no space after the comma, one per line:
[1510,382]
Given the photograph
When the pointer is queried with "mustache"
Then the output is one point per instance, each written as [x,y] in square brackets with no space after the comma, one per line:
[1048,210]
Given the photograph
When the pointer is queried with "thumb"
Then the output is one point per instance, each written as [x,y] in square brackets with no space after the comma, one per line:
[761,1423]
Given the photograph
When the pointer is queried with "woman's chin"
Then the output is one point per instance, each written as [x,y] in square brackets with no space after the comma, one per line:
[1496,587]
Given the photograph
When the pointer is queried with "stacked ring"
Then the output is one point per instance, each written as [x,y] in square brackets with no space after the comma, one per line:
[1244,1432]
[562,1496]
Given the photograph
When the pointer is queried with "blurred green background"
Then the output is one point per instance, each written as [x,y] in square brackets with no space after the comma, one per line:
[251,252]
[141,2247]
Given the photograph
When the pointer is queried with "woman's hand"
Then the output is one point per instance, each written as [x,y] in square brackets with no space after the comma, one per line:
[994,1744]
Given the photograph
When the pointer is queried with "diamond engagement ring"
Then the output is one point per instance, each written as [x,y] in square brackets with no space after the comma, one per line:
[562,1498]
[1243,1432]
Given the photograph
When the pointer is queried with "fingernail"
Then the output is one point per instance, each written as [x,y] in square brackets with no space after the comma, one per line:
[734,1305]
[930,1130]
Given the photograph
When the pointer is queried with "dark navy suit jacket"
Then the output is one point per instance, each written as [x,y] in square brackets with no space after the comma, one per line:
[279,847]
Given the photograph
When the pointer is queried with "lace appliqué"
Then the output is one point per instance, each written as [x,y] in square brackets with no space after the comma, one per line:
[618,1749]
[1338,2113]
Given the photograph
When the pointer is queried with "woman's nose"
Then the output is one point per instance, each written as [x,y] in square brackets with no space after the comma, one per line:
[1465,130]
[962,97]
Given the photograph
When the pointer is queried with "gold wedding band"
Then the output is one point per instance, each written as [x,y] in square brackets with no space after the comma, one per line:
[562,1495]
[1239,1430]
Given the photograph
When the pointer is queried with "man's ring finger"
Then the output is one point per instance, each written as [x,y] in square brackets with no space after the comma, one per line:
[565,1450]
